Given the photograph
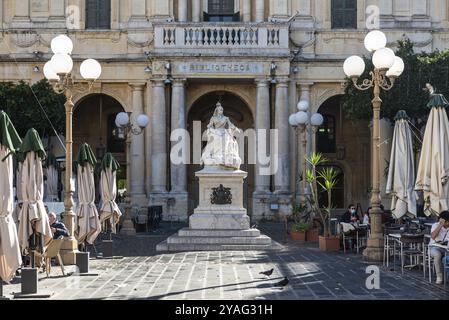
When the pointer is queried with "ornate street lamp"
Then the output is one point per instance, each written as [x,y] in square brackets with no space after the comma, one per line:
[127,129]
[300,122]
[59,73]
[387,67]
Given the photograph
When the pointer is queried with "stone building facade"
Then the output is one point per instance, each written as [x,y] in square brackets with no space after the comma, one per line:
[174,59]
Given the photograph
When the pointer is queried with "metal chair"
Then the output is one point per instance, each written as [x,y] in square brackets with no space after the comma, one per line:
[52,251]
[388,248]
[412,246]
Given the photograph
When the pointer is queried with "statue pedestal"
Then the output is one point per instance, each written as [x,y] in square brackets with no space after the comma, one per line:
[220,222]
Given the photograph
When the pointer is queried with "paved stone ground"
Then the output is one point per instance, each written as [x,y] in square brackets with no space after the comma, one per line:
[145,274]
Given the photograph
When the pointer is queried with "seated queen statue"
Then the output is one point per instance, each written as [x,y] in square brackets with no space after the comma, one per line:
[222,148]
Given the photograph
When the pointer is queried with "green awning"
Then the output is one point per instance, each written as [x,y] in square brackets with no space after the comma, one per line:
[437,100]
[85,156]
[8,134]
[109,162]
[401,115]
[31,142]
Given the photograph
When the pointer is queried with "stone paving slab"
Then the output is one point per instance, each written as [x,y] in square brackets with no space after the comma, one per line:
[232,275]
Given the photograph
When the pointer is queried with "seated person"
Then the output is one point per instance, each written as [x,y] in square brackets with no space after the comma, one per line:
[58,228]
[439,234]
[350,215]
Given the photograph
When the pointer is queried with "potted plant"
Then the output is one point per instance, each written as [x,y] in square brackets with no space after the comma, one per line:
[326,179]
[299,231]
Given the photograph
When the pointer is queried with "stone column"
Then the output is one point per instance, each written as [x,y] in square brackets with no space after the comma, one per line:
[260,10]
[246,10]
[182,10]
[282,177]
[179,158]
[262,123]
[159,139]
[262,193]
[137,156]
[196,10]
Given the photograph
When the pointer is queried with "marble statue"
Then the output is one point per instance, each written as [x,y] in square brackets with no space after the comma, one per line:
[222,148]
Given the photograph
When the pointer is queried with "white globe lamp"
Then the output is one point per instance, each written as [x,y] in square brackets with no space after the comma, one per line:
[302,117]
[90,69]
[303,105]
[292,120]
[317,120]
[61,63]
[354,66]
[49,73]
[383,58]
[397,68]
[143,121]
[375,40]
[62,44]
[122,119]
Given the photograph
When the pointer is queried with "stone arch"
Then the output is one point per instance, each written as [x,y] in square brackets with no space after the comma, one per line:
[321,94]
[78,98]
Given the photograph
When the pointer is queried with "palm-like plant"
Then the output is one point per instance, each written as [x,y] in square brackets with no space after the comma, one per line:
[326,179]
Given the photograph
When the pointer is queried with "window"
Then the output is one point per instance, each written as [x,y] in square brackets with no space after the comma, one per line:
[338,192]
[221,11]
[325,137]
[98,14]
[344,14]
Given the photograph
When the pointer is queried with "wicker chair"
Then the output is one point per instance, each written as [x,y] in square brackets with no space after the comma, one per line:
[52,251]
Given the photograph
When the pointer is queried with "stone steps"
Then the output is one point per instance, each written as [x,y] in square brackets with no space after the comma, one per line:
[186,232]
[261,240]
[164,246]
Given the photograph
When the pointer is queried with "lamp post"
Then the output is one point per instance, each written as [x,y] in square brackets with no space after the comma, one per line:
[123,121]
[59,73]
[387,67]
[300,122]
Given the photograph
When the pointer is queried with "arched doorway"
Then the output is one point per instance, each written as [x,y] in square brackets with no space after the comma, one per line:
[345,144]
[240,114]
[94,123]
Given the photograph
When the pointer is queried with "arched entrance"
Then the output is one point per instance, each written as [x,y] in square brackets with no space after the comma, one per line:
[94,123]
[240,114]
[346,145]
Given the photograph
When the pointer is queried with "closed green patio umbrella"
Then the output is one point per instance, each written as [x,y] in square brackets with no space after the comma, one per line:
[108,188]
[10,257]
[33,219]
[89,226]
[433,170]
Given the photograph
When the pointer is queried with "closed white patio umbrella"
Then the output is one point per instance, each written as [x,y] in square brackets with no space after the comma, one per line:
[433,170]
[33,214]
[89,226]
[401,172]
[10,257]
[108,188]
[51,171]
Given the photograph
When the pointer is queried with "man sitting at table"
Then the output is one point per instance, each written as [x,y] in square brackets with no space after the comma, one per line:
[439,234]
[58,228]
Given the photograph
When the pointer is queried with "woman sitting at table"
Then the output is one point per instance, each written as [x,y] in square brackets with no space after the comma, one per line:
[440,235]
[350,216]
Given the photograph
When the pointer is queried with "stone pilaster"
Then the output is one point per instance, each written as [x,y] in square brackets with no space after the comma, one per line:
[137,156]
[196,10]
[246,11]
[182,10]
[177,206]
[260,10]
[262,193]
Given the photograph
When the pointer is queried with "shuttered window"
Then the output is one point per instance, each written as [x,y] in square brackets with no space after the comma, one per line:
[221,11]
[98,14]
[344,14]
[220,7]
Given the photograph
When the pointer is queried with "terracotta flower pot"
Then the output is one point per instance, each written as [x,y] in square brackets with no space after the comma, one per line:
[329,244]
[313,234]
[298,235]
